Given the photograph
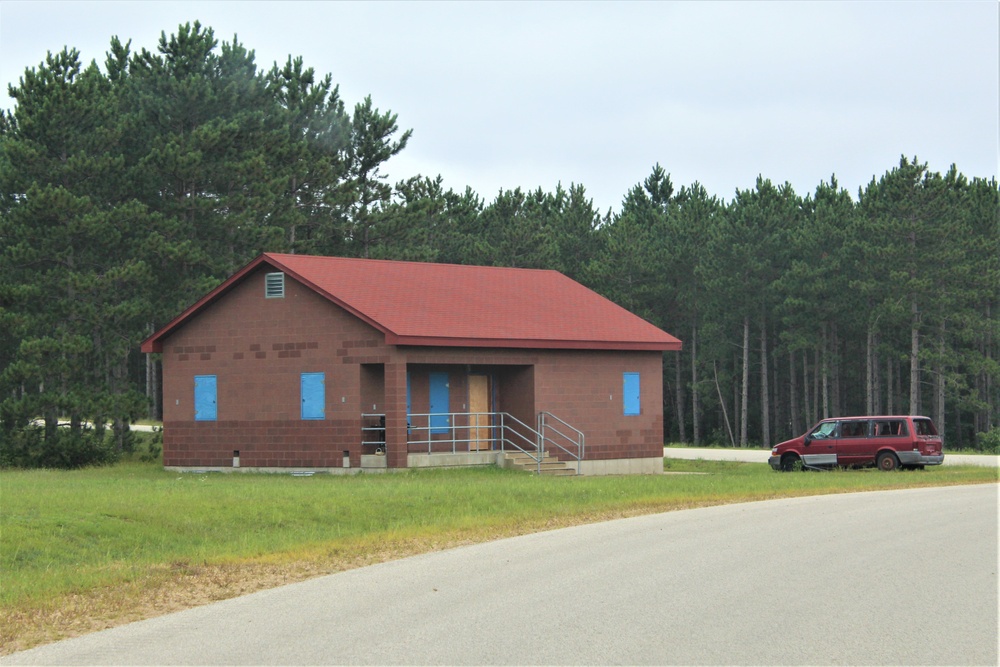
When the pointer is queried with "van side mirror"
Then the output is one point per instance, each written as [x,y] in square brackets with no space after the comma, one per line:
[806,440]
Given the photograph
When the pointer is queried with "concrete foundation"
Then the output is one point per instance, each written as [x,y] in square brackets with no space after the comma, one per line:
[451,460]
[374,463]
[646,466]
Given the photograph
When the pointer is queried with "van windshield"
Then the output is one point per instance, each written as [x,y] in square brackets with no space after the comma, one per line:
[824,430]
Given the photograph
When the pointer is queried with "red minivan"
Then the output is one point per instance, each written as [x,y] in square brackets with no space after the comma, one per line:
[891,442]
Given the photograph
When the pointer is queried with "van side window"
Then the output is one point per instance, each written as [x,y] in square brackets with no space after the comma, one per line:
[890,427]
[853,429]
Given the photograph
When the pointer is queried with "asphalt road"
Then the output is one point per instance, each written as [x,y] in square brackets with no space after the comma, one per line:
[884,578]
[760,456]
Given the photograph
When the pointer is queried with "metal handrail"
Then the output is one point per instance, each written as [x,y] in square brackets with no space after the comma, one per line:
[577,440]
[373,434]
[461,430]
[538,446]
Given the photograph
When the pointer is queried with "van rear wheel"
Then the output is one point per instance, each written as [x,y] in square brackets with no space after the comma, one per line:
[887,462]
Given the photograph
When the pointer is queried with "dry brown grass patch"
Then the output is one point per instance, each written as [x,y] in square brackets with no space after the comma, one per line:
[184,585]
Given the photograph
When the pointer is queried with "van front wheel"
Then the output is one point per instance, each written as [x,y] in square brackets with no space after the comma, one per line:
[887,462]
[790,462]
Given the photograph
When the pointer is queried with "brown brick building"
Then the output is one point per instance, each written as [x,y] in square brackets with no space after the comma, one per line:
[323,363]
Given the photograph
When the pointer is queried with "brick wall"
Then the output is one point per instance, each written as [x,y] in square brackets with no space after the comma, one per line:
[265,443]
[258,348]
[585,389]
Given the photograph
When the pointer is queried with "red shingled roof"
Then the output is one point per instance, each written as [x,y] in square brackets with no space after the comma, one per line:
[416,303]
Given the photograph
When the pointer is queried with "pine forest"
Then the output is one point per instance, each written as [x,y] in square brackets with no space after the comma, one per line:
[131,188]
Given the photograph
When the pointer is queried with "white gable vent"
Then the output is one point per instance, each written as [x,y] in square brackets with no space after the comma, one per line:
[274,286]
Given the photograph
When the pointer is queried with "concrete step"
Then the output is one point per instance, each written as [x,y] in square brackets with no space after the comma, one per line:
[550,465]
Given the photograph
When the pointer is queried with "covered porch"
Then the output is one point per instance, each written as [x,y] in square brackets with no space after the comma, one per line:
[477,438]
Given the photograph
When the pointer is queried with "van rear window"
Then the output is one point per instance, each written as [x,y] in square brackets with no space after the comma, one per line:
[924,427]
[890,427]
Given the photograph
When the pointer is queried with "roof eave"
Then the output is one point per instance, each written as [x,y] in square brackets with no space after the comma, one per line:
[528,343]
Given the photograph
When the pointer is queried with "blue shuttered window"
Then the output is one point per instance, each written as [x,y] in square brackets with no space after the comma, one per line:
[440,402]
[630,393]
[205,402]
[313,396]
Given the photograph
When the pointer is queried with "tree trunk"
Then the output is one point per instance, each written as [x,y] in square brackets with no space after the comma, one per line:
[679,396]
[736,394]
[876,378]
[793,399]
[722,402]
[119,375]
[980,418]
[779,407]
[807,407]
[826,375]
[51,417]
[939,383]
[986,417]
[889,403]
[815,385]
[870,371]
[765,403]
[695,402]
[745,385]
[838,406]
[914,359]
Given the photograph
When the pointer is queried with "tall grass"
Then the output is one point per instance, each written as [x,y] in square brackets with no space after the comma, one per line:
[77,534]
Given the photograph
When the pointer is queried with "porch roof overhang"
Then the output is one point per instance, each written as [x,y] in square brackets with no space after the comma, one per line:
[442,305]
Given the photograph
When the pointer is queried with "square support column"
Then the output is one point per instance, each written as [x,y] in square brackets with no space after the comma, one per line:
[395,414]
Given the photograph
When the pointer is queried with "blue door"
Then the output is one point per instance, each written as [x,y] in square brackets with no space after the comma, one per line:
[205,404]
[439,402]
[313,395]
[630,393]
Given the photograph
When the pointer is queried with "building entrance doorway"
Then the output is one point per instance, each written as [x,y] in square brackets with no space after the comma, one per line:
[480,407]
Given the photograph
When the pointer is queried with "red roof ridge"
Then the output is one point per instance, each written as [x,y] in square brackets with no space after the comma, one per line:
[383,260]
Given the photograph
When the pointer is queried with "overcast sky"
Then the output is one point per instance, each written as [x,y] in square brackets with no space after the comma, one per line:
[533,94]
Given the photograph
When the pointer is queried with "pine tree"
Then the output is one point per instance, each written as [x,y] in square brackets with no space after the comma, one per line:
[78,294]
[371,145]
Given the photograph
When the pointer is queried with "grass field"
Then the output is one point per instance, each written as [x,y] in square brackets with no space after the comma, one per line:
[87,549]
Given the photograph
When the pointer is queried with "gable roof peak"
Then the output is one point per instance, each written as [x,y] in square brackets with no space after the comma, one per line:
[459,305]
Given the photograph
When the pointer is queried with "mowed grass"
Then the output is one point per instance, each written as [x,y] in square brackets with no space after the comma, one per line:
[88,549]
